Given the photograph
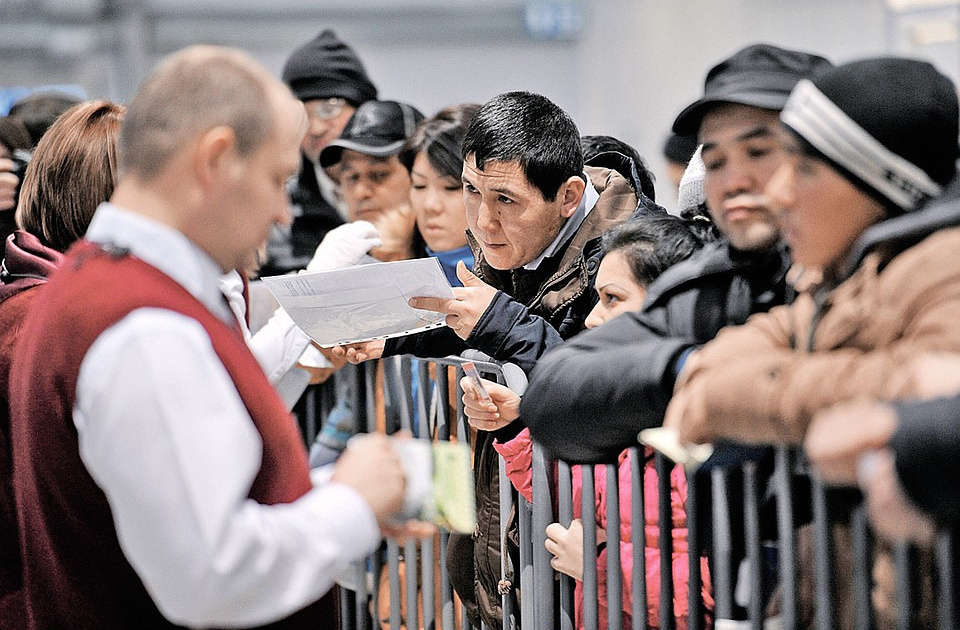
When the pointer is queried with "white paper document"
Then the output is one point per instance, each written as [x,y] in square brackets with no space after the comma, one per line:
[362,303]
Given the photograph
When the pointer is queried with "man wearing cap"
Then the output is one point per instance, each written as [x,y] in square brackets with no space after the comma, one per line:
[871,143]
[330,80]
[627,367]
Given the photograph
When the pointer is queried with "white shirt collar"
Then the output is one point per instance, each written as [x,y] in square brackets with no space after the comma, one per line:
[587,201]
[165,248]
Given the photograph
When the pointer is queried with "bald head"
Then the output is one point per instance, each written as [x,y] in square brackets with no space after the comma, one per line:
[191,92]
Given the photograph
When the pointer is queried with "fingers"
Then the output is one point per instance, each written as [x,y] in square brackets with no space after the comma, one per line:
[439,305]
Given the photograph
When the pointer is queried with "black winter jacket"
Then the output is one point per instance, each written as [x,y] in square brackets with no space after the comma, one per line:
[587,400]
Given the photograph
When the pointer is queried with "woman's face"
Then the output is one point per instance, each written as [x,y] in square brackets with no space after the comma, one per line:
[821,213]
[618,289]
[438,204]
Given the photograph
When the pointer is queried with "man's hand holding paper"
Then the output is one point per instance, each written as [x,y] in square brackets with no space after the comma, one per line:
[468,303]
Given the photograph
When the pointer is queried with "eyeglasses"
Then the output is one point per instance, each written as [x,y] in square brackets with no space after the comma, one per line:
[326,108]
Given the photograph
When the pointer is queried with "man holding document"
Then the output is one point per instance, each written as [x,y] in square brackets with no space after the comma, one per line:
[161,482]
[535,217]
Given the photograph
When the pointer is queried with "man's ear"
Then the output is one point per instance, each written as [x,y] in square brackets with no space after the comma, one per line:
[215,156]
[570,193]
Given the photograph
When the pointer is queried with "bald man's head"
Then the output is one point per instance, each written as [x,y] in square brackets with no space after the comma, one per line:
[191,92]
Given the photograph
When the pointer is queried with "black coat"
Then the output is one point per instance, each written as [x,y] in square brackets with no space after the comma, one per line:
[587,400]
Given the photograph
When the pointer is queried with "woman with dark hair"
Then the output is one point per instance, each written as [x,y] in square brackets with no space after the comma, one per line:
[432,155]
[72,171]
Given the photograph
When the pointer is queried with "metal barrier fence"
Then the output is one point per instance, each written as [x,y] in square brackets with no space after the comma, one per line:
[783,551]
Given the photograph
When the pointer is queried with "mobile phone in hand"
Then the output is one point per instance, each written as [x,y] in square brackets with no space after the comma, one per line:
[471,370]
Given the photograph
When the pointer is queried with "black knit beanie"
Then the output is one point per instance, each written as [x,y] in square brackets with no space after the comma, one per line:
[889,125]
[326,67]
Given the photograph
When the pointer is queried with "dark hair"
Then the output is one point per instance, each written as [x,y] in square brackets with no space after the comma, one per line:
[73,170]
[652,243]
[13,134]
[594,146]
[440,138]
[531,130]
[699,220]
[680,147]
[39,110]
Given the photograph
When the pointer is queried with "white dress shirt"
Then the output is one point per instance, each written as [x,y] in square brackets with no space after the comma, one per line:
[278,344]
[165,435]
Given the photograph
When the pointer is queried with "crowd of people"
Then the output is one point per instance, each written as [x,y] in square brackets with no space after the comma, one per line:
[800,293]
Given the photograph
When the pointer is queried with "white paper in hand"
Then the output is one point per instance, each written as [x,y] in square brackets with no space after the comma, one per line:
[362,303]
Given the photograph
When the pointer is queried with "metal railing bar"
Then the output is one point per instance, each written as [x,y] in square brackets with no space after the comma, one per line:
[614,570]
[589,521]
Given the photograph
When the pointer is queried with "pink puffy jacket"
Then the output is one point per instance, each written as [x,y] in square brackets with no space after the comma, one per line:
[518,456]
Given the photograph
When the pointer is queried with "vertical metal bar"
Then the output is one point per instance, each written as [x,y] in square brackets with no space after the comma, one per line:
[665,527]
[427,570]
[525,570]
[947,562]
[443,404]
[787,538]
[542,517]
[362,595]
[410,582]
[722,546]
[906,602]
[346,603]
[638,538]
[393,573]
[447,605]
[463,426]
[862,568]
[565,509]
[424,391]
[506,505]
[311,412]
[402,383]
[751,518]
[823,586]
[369,371]
[589,521]
[614,575]
[695,620]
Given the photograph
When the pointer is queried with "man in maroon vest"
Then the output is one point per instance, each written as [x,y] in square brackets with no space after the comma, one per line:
[159,479]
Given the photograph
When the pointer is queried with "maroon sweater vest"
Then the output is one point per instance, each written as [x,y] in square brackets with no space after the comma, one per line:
[75,574]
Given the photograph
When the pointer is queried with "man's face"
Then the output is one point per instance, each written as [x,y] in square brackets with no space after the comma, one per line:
[508,215]
[821,212]
[741,151]
[372,185]
[256,197]
[323,128]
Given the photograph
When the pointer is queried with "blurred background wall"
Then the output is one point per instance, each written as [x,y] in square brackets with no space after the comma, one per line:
[620,67]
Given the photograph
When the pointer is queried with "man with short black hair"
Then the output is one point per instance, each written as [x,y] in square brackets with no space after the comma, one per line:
[535,217]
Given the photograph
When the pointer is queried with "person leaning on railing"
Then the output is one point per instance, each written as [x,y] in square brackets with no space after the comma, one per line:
[871,143]
[634,254]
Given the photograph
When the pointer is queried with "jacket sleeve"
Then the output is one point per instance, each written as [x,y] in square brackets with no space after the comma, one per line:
[430,344]
[926,445]
[750,385]
[588,399]
[517,454]
[508,331]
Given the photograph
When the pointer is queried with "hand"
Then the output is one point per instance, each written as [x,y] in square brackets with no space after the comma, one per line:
[566,545]
[892,514]
[8,185]
[501,410]
[838,436]
[360,352]
[344,246]
[468,303]
[370,466]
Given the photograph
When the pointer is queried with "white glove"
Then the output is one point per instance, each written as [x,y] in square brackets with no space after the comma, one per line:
[344,246]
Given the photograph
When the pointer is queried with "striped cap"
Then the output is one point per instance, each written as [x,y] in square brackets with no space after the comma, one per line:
[889,125]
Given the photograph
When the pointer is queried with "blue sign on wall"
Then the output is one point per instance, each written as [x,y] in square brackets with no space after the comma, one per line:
[554,19]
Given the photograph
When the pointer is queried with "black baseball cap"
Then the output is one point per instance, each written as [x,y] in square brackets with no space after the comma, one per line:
[377,128]
[760,75]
